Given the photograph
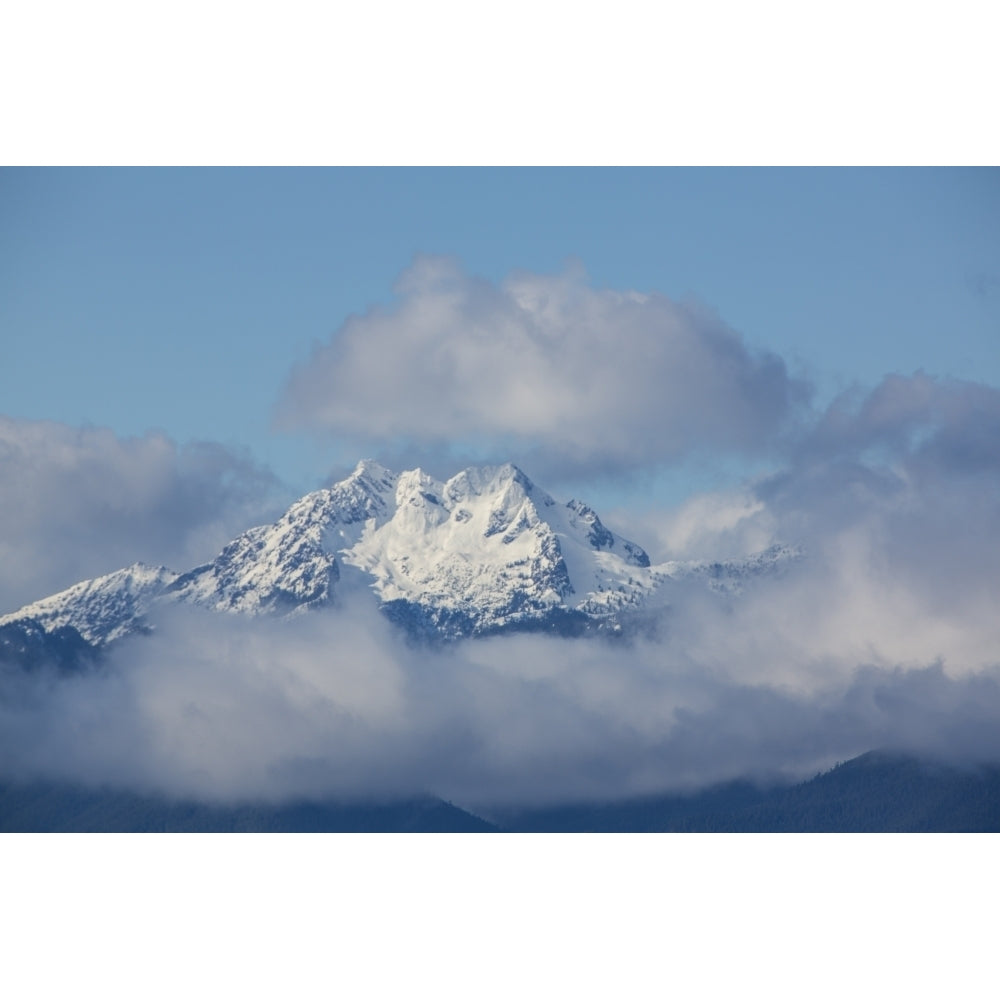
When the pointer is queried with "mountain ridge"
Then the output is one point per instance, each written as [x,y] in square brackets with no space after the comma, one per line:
[877,792]
[880,791]
[483,552]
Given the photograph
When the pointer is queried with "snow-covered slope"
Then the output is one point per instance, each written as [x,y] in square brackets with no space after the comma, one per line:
[486,551]
[102,609]
[732,575]
[291,564]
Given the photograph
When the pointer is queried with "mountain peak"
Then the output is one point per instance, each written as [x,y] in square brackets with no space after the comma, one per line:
[484,480]
[104,608]
[486,550]
[509,473]
[368,468]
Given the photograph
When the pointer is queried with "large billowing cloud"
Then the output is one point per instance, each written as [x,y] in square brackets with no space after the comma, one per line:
[950,423]
[76,503]
[895,497]
[578,377]
[907,477]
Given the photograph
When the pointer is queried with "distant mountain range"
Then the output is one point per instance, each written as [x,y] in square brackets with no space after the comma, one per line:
[878,792]
[487,551]
[874,793]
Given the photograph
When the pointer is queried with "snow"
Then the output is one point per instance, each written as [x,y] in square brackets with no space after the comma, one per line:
[485,550]
[102,609]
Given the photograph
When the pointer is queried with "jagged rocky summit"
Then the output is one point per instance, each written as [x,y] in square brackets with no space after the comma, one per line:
[485,552]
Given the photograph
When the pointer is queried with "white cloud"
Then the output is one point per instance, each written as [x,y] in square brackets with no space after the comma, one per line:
[720,525]
[583,378]
[79,502]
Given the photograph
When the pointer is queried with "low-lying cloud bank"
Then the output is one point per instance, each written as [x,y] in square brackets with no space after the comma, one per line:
[337,704]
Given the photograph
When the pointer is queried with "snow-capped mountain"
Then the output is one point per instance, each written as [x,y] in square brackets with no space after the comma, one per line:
[292,564]
[489,550]
[732,575]
[486,551]
[102,609]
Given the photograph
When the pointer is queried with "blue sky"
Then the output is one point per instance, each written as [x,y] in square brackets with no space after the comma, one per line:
[180,299]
